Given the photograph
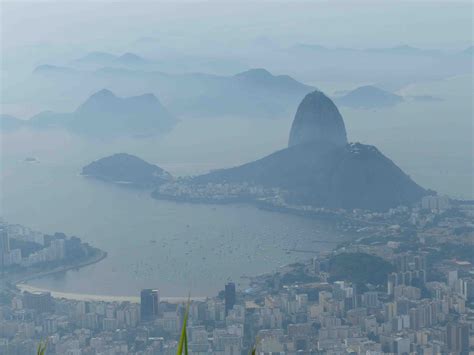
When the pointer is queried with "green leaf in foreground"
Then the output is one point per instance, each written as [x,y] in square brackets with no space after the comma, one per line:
[183,339]
[42,348]
[254,350]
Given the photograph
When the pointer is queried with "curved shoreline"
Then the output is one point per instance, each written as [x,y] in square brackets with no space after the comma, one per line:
[327,216]
[22,285]
[99,298]
[90,261]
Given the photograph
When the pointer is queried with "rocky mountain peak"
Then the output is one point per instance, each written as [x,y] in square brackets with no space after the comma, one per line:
[317,120]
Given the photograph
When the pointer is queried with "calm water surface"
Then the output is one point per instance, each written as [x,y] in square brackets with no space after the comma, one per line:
[182,247]
[150,243]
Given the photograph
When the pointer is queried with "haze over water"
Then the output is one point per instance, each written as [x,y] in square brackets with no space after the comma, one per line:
[198,247]
[177,247]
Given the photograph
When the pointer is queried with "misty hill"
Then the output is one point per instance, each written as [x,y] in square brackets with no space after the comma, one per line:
[50,119]
[406,50]
[98,58]
[369,97]
[104,59]
[157,56]
[468,50]
[105,114]
[255,93]
[424,98]
[126,168]
[397,50]
[8,123]
[391,67]
[263,78]
[47,69]
[131,59]
[353,176]
[321,172]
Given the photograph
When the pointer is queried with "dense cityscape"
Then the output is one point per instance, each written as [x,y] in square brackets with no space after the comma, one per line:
[404,286]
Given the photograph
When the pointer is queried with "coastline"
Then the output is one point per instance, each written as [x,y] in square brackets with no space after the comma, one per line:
[100,255]
[327,216]
[99,298]
[20,284]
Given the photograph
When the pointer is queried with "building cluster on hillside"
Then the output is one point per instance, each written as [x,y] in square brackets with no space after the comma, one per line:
[23,248]
[53,249]
[216,192]
[319,317]
[424,305]
[276,198]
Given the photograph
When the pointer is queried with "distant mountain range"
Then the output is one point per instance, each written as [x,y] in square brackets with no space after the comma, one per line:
[46,69]
[107,59]
[126,169]
[469,50]
[390,68]
[105,114]
[154,56]
[8,123]
[149,66]
[255,93]
[397,50]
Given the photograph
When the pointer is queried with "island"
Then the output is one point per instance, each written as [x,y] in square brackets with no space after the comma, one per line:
[127,169]
[368,97]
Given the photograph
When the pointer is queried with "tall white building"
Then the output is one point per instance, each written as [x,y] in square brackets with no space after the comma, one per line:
[4,246]
[452,279]
[435,203]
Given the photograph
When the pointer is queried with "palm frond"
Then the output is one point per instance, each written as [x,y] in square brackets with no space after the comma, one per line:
[42,348]
[254,350]
[183,339]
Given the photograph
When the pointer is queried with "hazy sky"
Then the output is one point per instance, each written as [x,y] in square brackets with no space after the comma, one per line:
[39,32]
[224,25]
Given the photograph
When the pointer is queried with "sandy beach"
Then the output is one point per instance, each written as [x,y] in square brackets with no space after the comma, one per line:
[100,298]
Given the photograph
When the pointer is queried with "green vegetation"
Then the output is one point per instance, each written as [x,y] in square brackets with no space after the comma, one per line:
[360,268]
[452,251]
[297,274]
[42,348]
[183,339]
[26,247]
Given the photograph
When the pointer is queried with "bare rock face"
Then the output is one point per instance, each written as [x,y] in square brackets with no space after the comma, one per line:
[317,120]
